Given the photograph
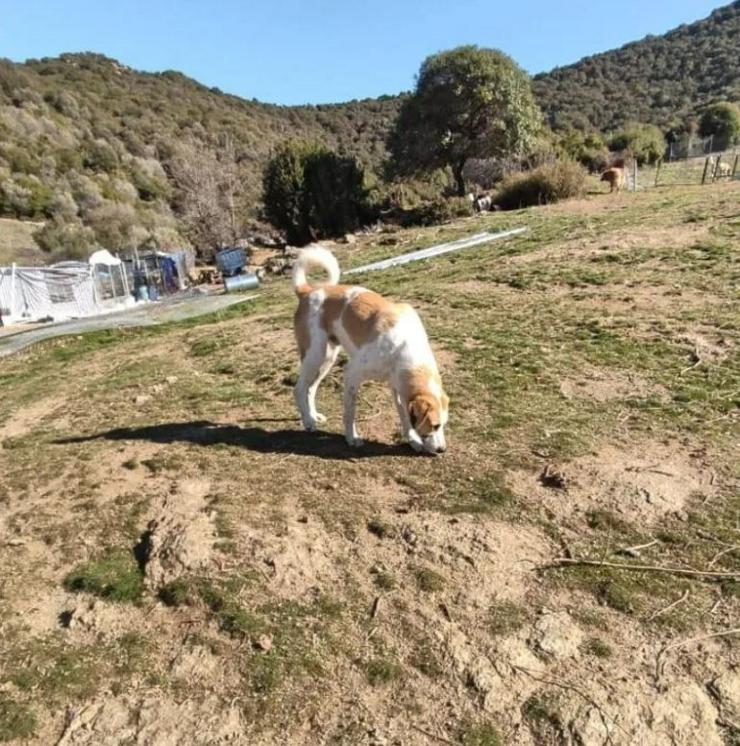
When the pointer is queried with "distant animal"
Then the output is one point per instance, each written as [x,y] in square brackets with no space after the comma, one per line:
[483,203]
[724,169]
[385,341]
[615,177]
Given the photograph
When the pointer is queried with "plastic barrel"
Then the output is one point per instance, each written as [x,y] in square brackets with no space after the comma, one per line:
[246,281]
[142,292]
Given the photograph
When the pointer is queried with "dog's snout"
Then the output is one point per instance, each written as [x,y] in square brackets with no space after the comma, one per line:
[441,449]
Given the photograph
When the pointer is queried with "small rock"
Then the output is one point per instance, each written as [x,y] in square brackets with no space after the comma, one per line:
[15,542]
[556,634]
[171,380]
[409,536]
[350,239]
[264,643]
[142,399]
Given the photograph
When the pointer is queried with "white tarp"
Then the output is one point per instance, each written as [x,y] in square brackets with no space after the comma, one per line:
[34,293]
[69,290]
[103,256]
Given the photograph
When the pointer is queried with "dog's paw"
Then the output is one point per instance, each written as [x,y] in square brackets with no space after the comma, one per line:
[310,425]
[320,418]
[355,442]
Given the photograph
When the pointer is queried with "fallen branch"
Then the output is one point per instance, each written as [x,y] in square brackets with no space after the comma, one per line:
[635,550]
[660,658]
[565,561]
[670,606]
[717,556]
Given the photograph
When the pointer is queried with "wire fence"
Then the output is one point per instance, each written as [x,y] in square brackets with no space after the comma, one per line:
[709,169]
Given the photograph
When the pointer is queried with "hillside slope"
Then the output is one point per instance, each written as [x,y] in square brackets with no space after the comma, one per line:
[660,79]
[88,142]
[194,568]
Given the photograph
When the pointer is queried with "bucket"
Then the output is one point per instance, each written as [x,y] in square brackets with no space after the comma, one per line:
[246,281]
[153,294]
[142,292]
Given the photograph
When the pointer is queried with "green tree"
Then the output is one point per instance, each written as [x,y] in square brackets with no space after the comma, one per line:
[721,120]
[312,192]
[644,142]
[468,103]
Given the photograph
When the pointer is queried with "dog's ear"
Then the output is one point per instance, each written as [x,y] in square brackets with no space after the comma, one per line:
[424,414]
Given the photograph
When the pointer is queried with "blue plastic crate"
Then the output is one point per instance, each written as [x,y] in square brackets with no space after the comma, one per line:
[231,261]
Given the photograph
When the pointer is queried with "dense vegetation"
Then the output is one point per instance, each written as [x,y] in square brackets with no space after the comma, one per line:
[468,103]
[660,79]
[108,154]
[111,156]
[310,192]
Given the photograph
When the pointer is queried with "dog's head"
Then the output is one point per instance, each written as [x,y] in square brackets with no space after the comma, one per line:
[428,412]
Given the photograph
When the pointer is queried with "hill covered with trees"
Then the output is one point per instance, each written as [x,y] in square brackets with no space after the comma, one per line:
[660,79]
[109,154]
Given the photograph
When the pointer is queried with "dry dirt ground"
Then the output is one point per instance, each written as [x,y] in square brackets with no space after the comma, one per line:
[182,565]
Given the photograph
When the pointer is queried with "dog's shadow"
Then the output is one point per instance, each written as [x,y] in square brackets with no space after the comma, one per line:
[287,441]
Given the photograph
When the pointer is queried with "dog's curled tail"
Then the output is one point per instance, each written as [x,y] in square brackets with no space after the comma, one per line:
[310,257]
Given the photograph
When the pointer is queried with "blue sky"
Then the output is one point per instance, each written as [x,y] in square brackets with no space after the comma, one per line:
[317,51]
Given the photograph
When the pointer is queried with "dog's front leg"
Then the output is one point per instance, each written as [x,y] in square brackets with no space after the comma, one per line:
[406,428]
[352,381]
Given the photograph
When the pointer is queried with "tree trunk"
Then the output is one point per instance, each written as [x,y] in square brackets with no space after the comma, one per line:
[457,173]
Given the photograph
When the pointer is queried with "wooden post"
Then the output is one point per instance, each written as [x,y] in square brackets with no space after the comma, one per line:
[657,170]
[634,175]
[734,167]
[706,169]
[716,167]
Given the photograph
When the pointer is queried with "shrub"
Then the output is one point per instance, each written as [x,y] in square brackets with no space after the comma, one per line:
[65,240]
[440,210]
[312,192]
[549,183]
[721,120]
[644,142]
[588,148]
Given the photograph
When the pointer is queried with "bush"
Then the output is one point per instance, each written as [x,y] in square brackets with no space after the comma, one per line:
[549,183]
[721,120]
[311,192]
[440,210]
[643,142]
[65,239]
[588,148]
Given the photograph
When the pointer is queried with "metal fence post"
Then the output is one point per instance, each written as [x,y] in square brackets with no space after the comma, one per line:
[634,175]
[734,167]
[716,167]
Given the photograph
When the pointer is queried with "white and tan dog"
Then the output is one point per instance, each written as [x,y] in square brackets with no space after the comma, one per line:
[385,341]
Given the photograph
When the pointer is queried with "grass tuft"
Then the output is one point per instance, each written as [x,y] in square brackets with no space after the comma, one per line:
[115,576]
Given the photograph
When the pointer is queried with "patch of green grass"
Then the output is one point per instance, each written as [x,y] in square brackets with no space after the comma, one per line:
[428,581]
[16,720]
[178,592]
[381,671]
[115,576]
[597,647]
[478,494]
[505,617]
[604,520]
[481,735]
[384,580]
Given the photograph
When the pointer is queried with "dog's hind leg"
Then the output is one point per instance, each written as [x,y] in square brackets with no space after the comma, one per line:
[318,358]
[353,378]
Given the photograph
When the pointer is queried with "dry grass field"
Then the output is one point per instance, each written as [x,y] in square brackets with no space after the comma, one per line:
[183,565]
